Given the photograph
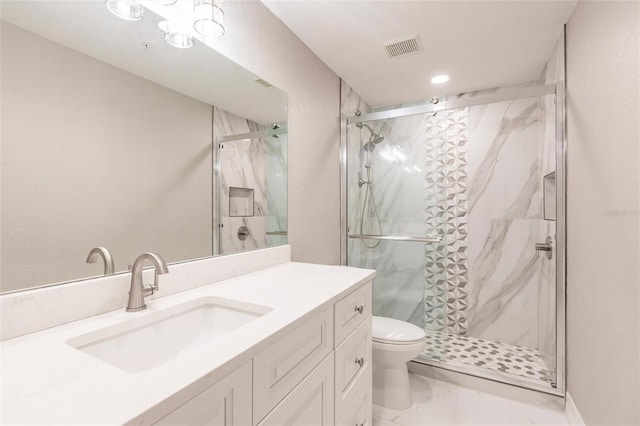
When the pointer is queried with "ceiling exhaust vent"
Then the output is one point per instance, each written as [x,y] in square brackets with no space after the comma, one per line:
[263,83]
[403,47]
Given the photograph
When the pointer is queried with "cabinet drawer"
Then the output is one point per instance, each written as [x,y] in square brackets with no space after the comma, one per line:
[353,365]
[279,368]
[350,311]
[224,403]
[360,411]
[310,403]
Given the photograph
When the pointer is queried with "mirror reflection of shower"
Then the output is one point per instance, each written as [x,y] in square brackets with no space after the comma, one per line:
[370,223]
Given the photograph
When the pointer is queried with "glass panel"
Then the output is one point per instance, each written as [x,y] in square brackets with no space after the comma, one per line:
[251,168]
[386,179]
[277,218]
[473,176]
[501,317]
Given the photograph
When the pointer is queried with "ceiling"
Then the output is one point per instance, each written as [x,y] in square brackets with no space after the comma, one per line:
[479,44]
[199,72]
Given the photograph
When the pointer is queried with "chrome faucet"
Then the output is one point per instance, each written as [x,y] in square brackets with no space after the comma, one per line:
[105,254]
[138,290]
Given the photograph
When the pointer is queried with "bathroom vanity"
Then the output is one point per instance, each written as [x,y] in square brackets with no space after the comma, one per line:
[289,344]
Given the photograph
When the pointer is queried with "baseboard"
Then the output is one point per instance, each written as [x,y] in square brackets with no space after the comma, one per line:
[572,414]
[485,385]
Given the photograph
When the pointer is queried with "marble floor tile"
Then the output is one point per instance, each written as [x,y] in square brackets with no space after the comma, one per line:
[479,408]
[441,403]
[466,350]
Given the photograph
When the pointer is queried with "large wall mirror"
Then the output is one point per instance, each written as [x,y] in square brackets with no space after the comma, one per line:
[113,138]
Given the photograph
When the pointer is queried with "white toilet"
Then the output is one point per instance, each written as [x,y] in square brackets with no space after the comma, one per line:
[395,343]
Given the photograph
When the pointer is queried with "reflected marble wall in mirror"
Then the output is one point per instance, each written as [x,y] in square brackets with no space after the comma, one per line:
[113,138]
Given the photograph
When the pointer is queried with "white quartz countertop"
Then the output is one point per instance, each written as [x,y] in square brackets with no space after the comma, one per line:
[47,381]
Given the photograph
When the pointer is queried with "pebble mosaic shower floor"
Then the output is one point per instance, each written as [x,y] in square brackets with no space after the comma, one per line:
[456,349]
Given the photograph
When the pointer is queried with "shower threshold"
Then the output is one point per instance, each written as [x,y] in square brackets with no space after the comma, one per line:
[474,356]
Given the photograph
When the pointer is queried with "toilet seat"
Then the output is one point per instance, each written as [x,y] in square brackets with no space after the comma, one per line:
[395,332]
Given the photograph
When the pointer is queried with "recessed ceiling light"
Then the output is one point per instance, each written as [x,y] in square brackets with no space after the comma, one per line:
[439,79]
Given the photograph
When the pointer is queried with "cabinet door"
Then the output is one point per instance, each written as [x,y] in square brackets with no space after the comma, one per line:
[310,403]
[359,411]
[227,402]
[281,367]
[350,311]
[353,364]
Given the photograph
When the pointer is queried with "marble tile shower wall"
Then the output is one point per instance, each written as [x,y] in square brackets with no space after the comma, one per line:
[505,211]
[256,164]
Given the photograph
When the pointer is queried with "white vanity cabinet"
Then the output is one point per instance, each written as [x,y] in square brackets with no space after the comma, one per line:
[353,368]
[224,403]
[310,403]
[352,365]
[281,367]
[359,411]
[318,373]
[290,344]
[338,390]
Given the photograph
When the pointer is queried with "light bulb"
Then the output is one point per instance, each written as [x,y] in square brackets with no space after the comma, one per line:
[129,10]
[209,18]
[174,37]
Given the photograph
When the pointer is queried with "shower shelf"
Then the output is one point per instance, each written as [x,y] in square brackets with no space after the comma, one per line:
[398,238]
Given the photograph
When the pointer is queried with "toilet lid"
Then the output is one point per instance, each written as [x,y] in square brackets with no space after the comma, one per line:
[389,330]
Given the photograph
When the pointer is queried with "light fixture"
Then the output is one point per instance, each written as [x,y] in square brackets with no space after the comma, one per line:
[439,79]
[174,37]
[209,18]
[129,10]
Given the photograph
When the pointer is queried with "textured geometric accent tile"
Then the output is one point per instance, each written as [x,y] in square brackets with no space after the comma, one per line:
[446,216]
[510,359]
[435,223]
[456,219]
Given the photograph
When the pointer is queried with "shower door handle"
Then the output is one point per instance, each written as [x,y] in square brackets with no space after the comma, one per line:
[547,247]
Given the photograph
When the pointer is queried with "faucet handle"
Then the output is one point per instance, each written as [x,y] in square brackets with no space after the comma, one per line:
[149,289]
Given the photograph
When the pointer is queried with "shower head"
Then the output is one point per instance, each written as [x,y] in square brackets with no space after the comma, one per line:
[374,139]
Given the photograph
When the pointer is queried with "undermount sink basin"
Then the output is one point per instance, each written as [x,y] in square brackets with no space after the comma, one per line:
[148,342]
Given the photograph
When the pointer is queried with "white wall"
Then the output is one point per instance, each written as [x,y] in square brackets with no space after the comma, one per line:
[142,152]
[260,42]
[603,271]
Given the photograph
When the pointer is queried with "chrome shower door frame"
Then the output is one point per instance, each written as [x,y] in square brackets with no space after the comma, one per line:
[514,93]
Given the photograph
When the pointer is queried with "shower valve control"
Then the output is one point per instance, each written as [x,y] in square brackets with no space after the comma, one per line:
[546,247]
[359,309]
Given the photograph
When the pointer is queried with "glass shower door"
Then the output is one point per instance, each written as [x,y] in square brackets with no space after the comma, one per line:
[387,167]
[480,181]
[501,322]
